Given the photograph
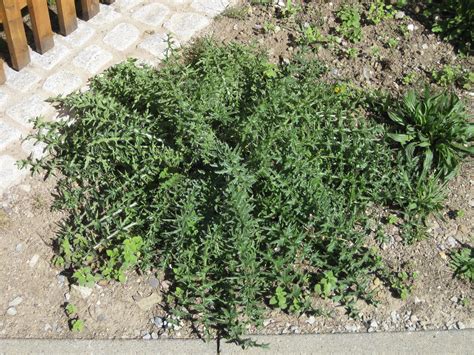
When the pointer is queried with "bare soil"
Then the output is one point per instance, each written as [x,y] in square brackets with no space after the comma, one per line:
[114,310]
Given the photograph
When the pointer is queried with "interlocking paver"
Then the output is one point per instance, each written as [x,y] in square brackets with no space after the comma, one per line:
[122,36]
[22,80]
[51,58]
[92,59]
[82,35]
[212,7]
[186,24]
[9,172]
[27,109]
[157,44]
[151,14]
[62,83]
[8,135]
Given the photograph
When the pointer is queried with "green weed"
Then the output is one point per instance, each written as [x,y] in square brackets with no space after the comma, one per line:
[462,262]
[379,11]
[350,26]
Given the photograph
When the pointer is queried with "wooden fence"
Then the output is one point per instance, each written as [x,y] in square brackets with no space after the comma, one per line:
[12,20]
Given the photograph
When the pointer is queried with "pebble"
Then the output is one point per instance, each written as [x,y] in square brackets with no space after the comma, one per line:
[460,325]
[267,322]
[399,15]
[414,318]
[15,302]
[147,336]
[374,324]
[153,282]
[351,328]
[159,322]
[411,27]
[61,279]
[82,291]
[34,260]
[454,299]
[311,320]
[47,327]
[452,243]
[19,248]
[424,46]
[471,203]
[154,335]
[11,311]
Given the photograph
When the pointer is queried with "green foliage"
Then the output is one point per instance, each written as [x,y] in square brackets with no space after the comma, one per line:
[392,42]
[452,20]
[246,183]
[290,9]
[310,35]
[77,325]
[350,26]
[409,78]
[402,283]
[236,12]
[448,75]
[436,127]
[71,309]
[379,11]
[462,262]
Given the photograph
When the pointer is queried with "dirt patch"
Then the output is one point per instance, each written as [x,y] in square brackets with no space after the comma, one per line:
[33,291]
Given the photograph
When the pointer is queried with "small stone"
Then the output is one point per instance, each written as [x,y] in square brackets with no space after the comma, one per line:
[424,46]
[267,322]
[414,318]
[374,324]
[454,299]
[19,248]
[394,316]
[311,320]
[47,327]
[154,282]
[370,330]
[15,302]
[67,296]
[351,328]
[82,291]
[452,243]
[411,27]
[154,335]
[399,15]
[460,325]
[158,321]
[11,311]
[61,279]
[147,336]
[34,260]
[471,203]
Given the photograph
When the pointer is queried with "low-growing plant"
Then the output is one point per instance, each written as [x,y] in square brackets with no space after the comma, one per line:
[403,283]
[310,35]
[246,183]
[462,262]
[290,8]
[379,11]
[446,76]
[436,127]
[350,25]
[409,78]
[392,42]
[236,12]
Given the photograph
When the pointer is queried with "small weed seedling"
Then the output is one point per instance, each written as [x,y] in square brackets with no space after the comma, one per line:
[447,76]
[392,42]
[409,78]
[290,9]
[350,26]
[379,11]
[462,262]
[75,324]
[403,283]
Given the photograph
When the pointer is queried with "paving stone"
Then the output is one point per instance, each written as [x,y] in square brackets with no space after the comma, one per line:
[3,98]
[9,173]
[186,24]
[8,135]
[34,148]
[151,14]
[51,58]
[62,83]
[124,5]
[122,36]
[80,36]
[211,7]
[92,59]
[106,15]
[157,44]
[22,80]
[27,109]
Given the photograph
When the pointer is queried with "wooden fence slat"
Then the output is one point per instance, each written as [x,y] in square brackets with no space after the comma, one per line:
[15,33]
[67,16]
[41,24]
[2,72]
[90,8]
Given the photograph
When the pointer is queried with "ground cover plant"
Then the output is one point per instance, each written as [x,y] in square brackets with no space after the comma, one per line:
[247,183]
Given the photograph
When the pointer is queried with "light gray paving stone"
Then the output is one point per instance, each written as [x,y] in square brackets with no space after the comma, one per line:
[106,15]
[80,36]
[8,135]
[92,59]
[3,98]
[152,14]
[22,80]
[9,173]
[51,58]
[62,83]
[34,149]
[211,7]
[31,107]
[124,5]
[157,44]
[122,36]
[186,24]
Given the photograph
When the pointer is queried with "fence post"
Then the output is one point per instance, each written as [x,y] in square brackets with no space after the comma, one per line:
[41,24]
[15,33]
[90,8]
[2,72]
[67,16]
